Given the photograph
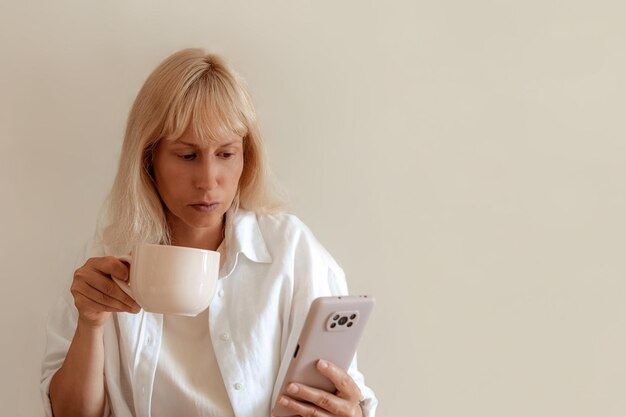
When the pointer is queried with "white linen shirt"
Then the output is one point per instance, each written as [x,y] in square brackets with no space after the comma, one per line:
[273,269]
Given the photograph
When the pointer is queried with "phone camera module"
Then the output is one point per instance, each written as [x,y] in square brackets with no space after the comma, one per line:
[341,321]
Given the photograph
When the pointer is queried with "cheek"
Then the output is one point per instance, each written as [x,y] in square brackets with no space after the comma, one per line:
[237,174]
[163,190]
[163,174]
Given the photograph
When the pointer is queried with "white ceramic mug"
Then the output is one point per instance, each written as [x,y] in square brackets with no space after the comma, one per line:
[171,279]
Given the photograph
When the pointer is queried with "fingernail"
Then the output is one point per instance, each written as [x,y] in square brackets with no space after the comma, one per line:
[283,401]
[292,389]
[323,364]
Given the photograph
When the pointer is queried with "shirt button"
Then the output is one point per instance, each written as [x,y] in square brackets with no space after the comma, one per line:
[220,293]
[225,337]
[238,386]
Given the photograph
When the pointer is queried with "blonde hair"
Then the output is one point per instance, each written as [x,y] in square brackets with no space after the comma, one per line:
[188,87]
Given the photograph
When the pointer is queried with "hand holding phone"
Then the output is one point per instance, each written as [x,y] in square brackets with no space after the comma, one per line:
[331,332]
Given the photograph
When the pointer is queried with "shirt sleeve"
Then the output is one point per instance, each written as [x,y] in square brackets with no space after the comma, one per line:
[60,329]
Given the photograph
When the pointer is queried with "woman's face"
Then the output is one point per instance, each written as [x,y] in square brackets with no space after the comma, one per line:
[196,181]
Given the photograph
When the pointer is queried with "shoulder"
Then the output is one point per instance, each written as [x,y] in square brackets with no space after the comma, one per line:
[294,246]
[282,224]
[291,234]
[284,229]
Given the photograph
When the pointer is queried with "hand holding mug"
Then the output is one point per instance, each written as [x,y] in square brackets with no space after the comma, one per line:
[96,295]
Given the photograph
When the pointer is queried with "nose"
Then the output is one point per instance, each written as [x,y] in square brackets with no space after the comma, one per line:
[207,175]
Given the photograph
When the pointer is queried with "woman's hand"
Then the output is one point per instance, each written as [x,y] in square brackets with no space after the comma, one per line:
[307,401]
[96,295]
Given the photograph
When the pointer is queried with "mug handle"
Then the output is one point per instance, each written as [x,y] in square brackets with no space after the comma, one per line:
[123,284]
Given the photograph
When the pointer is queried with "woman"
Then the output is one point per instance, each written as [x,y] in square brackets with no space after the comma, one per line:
[192,173]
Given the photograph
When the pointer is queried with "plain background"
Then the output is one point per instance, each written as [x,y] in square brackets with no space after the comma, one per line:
[462,160]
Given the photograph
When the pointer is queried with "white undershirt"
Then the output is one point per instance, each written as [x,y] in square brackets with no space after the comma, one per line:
[188,381]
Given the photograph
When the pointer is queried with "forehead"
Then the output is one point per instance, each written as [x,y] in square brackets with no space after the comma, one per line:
[191,137]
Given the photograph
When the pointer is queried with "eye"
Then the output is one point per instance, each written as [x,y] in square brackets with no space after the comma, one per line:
[226,155]
[188,156]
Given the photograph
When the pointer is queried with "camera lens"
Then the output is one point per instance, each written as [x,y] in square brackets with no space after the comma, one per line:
[343,321]
[350,324]
[333,325]
[352,317]
[336,317]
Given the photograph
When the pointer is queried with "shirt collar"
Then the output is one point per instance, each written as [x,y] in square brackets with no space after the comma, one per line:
[246,238]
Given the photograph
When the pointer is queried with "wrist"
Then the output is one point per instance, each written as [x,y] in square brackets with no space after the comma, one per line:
[86,328]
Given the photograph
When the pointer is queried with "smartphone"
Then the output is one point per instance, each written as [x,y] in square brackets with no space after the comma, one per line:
[331,331]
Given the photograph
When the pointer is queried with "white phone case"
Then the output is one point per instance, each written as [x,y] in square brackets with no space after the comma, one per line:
[331,331]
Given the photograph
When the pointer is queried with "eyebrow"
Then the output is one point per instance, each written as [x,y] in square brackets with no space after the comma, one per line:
[194,145]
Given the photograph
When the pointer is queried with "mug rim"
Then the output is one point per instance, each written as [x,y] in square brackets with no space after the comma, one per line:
[178,248]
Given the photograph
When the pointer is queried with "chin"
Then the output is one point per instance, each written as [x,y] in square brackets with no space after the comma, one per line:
[205,220]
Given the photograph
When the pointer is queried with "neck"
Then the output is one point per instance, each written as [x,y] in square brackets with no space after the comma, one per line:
[206,238]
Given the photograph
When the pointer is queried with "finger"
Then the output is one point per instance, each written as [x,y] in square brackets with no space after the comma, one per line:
[110,266]
[302,409]
[323,399]
[344,383]
[96,279]
[111,289]
[93,294]
[87,304]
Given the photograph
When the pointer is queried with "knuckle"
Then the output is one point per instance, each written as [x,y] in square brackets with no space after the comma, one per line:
[111,260]
[127,300]
[91,263]
[81,304]
[77,297]
[324,400]
[103,298]
[344,382]
[113,263]
[79,274]
[75,291]
[108,289]
[354,411]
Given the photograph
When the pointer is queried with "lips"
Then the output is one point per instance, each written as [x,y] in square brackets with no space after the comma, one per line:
[205,206]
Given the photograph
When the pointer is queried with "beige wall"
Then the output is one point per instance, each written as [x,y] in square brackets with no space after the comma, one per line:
[462,160]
